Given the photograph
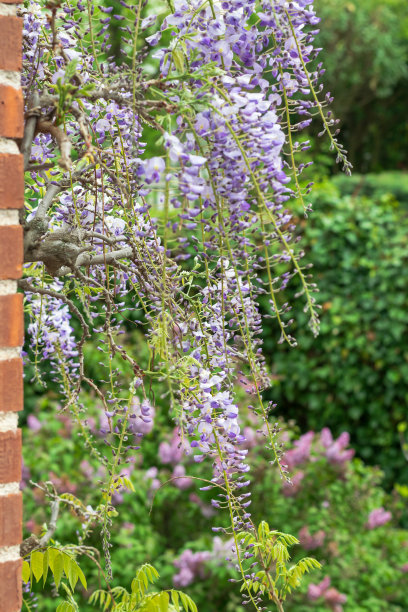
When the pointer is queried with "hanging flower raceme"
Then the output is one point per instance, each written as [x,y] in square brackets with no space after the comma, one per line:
[160,183]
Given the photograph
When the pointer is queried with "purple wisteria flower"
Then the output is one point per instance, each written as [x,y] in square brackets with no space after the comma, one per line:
[165,200]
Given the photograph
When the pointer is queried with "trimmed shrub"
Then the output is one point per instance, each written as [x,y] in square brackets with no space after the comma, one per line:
[354,375]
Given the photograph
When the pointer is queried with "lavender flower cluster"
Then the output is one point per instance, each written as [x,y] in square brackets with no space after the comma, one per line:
[195,233]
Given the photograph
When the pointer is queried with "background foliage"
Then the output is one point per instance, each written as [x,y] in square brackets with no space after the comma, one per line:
[365,53]
[351,378]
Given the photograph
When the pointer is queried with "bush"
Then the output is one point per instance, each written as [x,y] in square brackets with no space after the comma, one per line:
[386,185]
[364,558]
[365,53]
[353,376]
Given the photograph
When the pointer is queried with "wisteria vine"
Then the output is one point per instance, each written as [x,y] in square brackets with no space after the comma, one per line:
[166,176]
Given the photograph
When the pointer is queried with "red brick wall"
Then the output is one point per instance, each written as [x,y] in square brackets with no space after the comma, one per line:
[11,306]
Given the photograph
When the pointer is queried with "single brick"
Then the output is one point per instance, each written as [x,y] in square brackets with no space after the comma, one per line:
[11,251]
[10,457]
[11,385]
[11,112]
[11,320]
[11,511]
[10,43]
[11,181]
[11,586]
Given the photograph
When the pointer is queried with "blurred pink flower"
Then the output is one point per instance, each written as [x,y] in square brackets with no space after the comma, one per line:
[128,526]
[30,525]
[251,438]
[309,541]
[63,484]
[25,475]
[33,423]
[301,451]
[191,565]
[171,452]
[86,469]
[151,474]
[332,596]
[290,489]
[180,482]
[335,452]
[334,599]
[316,590]
[378,517]
[206,510]
[223,549]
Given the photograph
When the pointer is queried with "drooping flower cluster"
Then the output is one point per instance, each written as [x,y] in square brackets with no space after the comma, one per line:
[160,183]
[50,330]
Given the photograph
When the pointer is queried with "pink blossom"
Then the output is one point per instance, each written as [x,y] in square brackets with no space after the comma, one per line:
[301,451]
[183,578]
[404,568]
[334,599]
[251,438]
[30,525]
[335,449]
[25,475]
[222,549]
[180,482]
[309,541]
[317,590]
[128,526]
[191,566]
[171,452]
[63,484]
[86,469]
[326,437]
[332,596]
[290,489]
[33,423]
[206,510]
[378,517]
[151,474]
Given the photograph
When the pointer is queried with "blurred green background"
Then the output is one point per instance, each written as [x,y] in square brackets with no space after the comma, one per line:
[353,378]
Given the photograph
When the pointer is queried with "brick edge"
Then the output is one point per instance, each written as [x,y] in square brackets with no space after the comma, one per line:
[11,310]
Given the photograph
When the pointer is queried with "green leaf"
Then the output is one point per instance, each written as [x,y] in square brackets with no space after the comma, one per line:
[70,569]
[175,599]
[128,484]
[81,577]
[178,58]
[187,602]
[26,571]
[45,566]
[162,600]
[56,562]
[70,70]
[37,564]
[65,606]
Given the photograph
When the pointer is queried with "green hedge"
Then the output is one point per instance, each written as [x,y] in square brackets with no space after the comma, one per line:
[354,375]
[365,53]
